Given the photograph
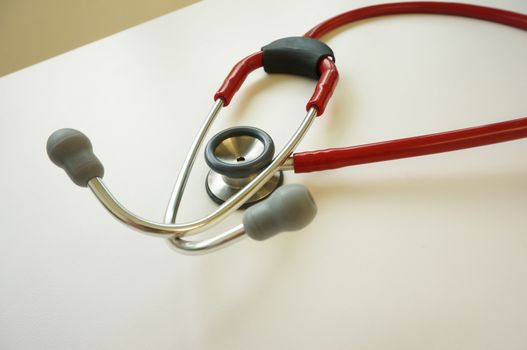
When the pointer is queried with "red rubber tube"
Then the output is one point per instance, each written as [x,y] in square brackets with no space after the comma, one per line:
[333,158]
[329,76]
[508,18]
[419,145]
[237,76]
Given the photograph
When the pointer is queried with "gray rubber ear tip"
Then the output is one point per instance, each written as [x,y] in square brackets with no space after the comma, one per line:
[289,208]
[71,150]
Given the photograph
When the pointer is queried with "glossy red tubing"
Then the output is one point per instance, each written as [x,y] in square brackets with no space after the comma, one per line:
[419,145]
[237,76]
[394,149]
[509,18]
[329,76]
[410,147]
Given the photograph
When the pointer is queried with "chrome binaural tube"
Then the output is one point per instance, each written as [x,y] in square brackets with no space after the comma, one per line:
[175,231]
[209,244]
[181,182]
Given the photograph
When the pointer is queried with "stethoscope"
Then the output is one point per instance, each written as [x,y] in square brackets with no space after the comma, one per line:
[245,172]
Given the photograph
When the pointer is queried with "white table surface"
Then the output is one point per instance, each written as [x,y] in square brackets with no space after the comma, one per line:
[423,253]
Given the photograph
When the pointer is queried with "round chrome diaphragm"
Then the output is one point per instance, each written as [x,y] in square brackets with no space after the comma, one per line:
[239,149]
[236,156]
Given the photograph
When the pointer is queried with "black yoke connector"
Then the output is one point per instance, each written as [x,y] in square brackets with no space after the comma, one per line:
[295,55]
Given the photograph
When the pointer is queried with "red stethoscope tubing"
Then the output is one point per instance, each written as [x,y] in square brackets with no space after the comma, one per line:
[334,158]
[508,18]
[419,145]
[395,149]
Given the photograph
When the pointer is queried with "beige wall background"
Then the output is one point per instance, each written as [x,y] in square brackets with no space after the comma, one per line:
[34,30]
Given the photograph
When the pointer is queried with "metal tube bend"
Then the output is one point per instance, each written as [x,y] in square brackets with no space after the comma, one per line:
[182,229]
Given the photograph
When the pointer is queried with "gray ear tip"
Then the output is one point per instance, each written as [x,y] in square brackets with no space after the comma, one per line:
[63,133]
[71,150]
[300,195]
[289,208]
[63,142]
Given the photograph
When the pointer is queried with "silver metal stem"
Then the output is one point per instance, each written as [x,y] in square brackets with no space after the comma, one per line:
[288,165]
[237,183]
[181,182]
[208,245]
[115,208]
[182,229]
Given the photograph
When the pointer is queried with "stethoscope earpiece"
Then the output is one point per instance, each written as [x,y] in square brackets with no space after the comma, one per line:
[289,208]
[72,151]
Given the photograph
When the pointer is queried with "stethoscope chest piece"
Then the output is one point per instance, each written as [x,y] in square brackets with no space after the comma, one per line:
[235,157]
